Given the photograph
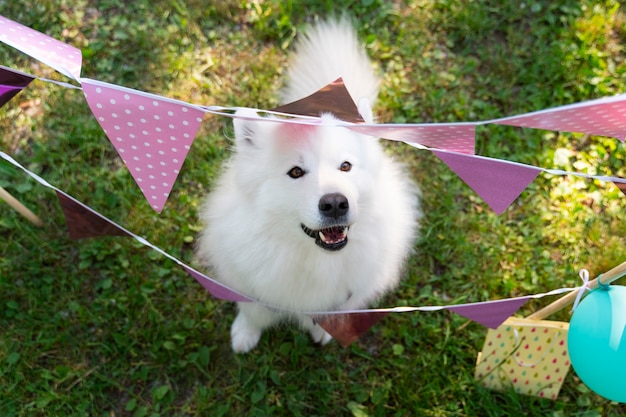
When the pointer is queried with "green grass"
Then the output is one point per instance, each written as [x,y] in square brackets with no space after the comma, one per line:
[107,327]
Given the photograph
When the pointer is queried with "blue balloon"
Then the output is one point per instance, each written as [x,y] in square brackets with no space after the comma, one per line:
[596,342]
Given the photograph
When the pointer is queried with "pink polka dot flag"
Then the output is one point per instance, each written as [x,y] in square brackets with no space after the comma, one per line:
[152,134]
[454,137]
[602,117]
[62,57]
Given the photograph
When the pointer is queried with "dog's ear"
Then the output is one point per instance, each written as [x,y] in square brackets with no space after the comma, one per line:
[365,109]
[245,128]
[244,132]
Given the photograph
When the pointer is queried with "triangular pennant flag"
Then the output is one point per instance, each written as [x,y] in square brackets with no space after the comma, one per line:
[334,99]
[7,93]
[217,289]
[11,83]
[14,78]
[62,57]
[453,137]
[490,313]
[152,134]
[603,117]
[496,181]
[347,328]
[621,186]
[83,222]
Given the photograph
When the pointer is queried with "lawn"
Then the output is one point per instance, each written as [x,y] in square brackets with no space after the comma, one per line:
[108,327]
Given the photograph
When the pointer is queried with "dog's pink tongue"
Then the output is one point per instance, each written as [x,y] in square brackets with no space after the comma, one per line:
[333,234]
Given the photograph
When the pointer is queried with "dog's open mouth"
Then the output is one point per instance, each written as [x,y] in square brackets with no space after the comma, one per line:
[331,238]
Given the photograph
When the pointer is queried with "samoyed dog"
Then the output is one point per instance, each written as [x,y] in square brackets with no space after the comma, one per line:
[309,218]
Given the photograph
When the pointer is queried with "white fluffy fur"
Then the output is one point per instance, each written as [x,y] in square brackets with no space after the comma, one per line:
[253,240]
[328,51]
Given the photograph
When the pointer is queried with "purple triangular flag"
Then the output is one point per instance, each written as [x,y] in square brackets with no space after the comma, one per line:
[7,92]
[217,289]
[603,117]
[62,57]
[152,134]
[334,98]
[11,83]
[83,222]
[347,328]
[15,78]
[496,181]
[490,313]
[453,137]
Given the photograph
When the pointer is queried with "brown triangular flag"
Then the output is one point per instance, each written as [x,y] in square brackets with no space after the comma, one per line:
[621,186]
[83,222]
[347,328]
[334,99]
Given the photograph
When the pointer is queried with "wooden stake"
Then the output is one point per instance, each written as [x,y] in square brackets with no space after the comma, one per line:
[20,208]
[604,279]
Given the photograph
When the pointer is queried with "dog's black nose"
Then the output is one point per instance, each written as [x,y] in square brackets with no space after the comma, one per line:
[333,205]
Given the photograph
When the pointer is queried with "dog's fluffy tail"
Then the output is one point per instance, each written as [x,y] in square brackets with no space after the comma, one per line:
[329,50]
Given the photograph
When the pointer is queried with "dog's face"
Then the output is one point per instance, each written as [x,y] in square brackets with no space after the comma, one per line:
[309,180]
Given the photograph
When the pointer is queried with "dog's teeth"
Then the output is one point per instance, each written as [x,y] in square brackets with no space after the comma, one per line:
[322,236]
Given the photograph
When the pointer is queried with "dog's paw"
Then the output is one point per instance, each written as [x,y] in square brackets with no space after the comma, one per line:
[320,335]
[244,336]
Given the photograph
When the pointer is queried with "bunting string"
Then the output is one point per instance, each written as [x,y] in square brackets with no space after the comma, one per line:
[82,222]
[153,134]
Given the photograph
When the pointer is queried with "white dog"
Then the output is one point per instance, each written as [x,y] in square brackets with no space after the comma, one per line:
[309,218]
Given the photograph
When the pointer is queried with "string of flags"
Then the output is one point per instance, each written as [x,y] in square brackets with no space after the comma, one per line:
[345,326]
[154,134]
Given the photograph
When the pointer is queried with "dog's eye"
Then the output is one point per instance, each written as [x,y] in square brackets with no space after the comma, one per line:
[345,166]
[296,172]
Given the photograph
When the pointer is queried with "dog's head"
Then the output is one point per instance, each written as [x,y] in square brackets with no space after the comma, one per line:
[307,179]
